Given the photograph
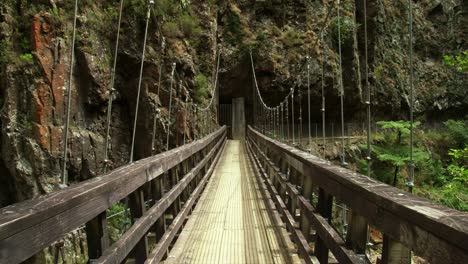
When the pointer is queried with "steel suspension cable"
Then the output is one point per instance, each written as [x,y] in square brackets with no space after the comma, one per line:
[343,158]
[340,80]
[213,92]
[410,183]
[70,79]
[158,111]
[170,107]
[323,109]
[112,90]
[308,103]
[368,99]
[300,117]
[148,15]
[292,117]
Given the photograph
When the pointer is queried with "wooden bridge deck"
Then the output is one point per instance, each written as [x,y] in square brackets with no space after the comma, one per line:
[231,223]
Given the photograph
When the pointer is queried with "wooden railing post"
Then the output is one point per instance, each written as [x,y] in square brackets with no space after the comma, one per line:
[394,252]
[307,189]
[97,236]
[356,238]
[324,207]
[157,190]
[137,209]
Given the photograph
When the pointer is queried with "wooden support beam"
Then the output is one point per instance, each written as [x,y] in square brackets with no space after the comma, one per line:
[356,238]
[137,209]
[417,223]
[97,236]
[324,208]
[394,252]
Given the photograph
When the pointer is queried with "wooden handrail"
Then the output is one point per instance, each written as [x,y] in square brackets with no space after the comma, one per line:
[434,232]
[29,226]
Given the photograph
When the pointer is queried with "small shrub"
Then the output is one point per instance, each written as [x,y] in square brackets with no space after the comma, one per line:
[234,28]
[347,28]
[171,29]
[458,131]
[189,25]
[201,87]
[459,61]
[292,38]
[28,57]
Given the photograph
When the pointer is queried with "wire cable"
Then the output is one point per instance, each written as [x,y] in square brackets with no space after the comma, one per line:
[158,111]
[410,183]
[170,107]
[343,158]
[112,90]
[308,103]
[148,15]
[70,79]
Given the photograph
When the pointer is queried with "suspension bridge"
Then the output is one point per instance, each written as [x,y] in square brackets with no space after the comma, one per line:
[242,193]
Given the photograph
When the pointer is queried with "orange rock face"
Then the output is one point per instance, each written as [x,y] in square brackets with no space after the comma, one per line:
[49,53]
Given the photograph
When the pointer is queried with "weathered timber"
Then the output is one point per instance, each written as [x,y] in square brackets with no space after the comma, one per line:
[97,235]
[434,232]
[120,249]
[303,246]
[28,227]
[163,245]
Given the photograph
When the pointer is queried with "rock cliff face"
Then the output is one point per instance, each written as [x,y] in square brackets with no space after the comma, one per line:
[35,64]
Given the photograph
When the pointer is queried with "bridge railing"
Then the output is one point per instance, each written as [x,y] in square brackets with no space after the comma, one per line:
[161,191]
[296,179]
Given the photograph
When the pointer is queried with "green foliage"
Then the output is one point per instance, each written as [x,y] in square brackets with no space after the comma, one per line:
[202,85]
[116,220]
[455,192]
[167,8]
[347,27]
[171,29]
[28,58]
[4,54]
[459,61]
[189,25]
[402,127]
[394,151]
[458,131]
[292,38]
[234,28]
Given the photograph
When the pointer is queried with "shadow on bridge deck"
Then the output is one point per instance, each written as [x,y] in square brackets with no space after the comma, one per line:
[232,223]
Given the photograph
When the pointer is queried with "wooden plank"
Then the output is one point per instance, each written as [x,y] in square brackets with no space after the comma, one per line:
[303,245]
[97,236]
[28,227]
[324,208]
[434,232]
[119,250]
[137,210]
[356,238]
[161,248]
[328,234]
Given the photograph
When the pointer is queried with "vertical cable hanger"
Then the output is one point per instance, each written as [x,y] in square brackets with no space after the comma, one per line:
[148,15]
[341,87]
[308,103]
[368,99]
[70,79]
[292,117]
[170,107]
[282,120]
[343,158]
[112,91]
[323,109]
[299,92]
[287,120]
[158,111]
[410,182]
